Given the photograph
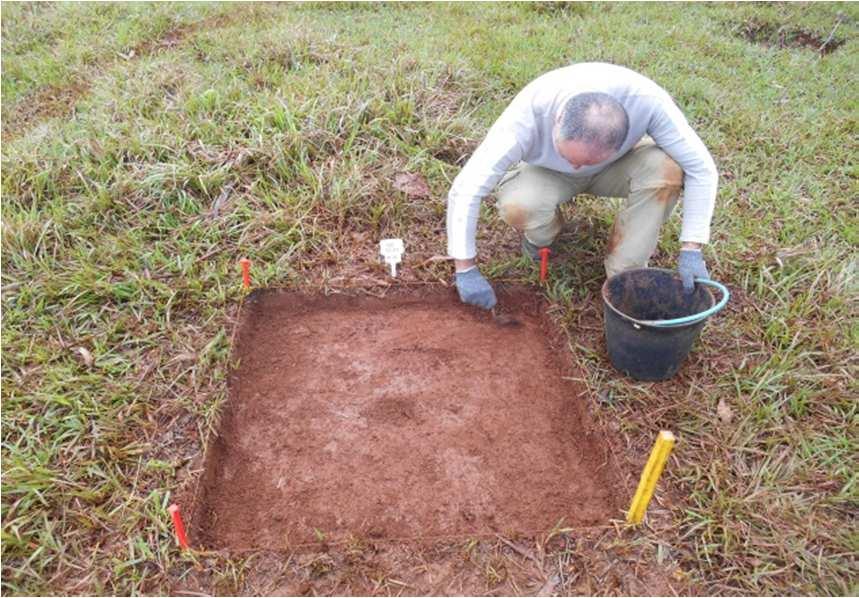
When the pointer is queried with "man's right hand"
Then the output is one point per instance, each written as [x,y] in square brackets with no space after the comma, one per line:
[474,289]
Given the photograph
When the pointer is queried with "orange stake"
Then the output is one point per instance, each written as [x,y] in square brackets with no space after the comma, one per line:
[544,263]
[246,272]
[178,526]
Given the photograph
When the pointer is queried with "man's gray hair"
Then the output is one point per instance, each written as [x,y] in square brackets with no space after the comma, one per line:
[594,117]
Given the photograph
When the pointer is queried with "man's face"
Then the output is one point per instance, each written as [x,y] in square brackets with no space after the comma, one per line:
[581,153]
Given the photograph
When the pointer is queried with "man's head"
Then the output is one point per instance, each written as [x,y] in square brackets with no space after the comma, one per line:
[590,128]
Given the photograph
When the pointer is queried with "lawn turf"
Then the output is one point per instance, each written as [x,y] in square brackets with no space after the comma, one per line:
[147,147]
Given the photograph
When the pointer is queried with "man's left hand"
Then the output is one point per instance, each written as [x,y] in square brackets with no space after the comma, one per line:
[691,265]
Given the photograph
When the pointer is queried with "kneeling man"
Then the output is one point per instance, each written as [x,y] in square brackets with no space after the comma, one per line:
[587,128]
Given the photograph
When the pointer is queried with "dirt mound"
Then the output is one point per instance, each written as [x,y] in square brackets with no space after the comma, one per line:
[768,34]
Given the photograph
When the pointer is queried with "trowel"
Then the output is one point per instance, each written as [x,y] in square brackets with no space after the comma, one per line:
[503,319]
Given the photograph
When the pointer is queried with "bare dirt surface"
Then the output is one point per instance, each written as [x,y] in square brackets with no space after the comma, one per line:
[783,37]
[406,417]
[49,102]
[567,564]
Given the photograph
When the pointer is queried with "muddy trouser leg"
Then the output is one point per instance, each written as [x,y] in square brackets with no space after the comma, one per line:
[651,183]
[529,198]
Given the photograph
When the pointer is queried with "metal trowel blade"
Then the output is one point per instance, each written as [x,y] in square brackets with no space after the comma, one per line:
[504,319]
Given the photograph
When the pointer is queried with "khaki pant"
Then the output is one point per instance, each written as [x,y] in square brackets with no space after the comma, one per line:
[529,198]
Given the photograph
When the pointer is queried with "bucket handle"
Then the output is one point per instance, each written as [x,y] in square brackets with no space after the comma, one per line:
[694,318]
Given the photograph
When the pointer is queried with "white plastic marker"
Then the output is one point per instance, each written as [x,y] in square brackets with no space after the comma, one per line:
[392,250]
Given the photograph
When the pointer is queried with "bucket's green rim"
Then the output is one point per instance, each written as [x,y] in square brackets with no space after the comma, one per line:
[685,320]
[695,318]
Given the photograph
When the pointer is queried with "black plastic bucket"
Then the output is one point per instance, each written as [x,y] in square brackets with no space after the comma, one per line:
[635,303]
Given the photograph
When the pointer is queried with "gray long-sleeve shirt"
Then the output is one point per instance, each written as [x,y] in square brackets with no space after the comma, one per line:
[523,132]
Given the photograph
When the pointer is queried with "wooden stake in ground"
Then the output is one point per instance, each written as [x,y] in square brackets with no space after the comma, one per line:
[650,476]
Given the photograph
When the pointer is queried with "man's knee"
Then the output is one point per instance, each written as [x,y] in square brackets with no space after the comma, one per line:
[671,180]
[660,175]
[529,196]
[515,214]
[539,225]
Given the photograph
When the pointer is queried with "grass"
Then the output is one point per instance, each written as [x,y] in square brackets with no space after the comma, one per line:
[147,147]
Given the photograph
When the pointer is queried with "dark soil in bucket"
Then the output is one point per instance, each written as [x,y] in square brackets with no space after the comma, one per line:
[405,417]
[654,294]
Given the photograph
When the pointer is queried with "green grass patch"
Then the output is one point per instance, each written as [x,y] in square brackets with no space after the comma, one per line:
[149,146]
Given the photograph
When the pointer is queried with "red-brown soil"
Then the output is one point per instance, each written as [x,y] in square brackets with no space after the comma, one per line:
[405,417]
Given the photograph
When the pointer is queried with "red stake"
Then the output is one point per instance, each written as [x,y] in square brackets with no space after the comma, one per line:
[178,525]
[246,272]
[544,263]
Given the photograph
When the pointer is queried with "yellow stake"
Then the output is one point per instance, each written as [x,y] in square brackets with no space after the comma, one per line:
[649,477]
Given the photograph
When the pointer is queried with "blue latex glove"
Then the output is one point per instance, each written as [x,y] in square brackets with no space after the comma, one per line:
[474,289]
[691,265]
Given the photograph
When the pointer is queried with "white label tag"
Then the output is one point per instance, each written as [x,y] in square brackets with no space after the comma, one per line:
[392,251]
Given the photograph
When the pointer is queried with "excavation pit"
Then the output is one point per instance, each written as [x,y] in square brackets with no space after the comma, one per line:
[404,417]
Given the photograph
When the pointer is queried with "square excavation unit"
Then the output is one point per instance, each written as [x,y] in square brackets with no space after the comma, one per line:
[405,417]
